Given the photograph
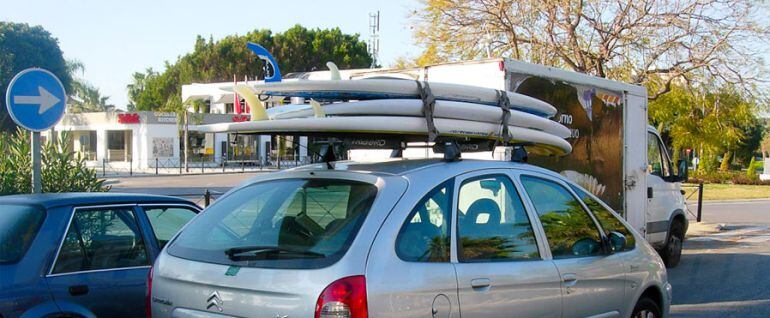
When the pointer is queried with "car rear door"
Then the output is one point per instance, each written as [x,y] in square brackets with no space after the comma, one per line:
[501,268]
[102,263]
[593,280]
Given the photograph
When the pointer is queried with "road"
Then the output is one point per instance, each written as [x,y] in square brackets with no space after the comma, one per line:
[724,268]
[748,211]
[723,273]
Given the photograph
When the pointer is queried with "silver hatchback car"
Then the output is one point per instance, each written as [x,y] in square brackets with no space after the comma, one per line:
[409,238]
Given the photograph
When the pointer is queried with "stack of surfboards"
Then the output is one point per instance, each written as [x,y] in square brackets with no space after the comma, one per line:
[393,107]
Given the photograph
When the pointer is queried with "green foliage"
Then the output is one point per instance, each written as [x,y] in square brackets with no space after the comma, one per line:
[86,98]
[751,172]
[62,169]
[21,47]
[713,121]
[297,50]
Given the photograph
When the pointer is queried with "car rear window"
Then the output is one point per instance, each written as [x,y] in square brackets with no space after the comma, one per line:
[19,225]
[290,223]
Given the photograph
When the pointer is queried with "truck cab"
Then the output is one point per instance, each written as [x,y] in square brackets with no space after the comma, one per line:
[666,221]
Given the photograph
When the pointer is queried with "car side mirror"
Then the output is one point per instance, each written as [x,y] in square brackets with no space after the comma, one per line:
[617,241]
[585,247]
[683,170]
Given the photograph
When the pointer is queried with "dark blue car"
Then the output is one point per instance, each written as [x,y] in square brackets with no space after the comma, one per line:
[82,254]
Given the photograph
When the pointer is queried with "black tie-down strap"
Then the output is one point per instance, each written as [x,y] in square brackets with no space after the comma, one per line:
[428,105]
[505,105]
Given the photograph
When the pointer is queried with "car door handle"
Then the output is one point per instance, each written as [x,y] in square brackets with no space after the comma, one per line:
[569,279]
[78,290]
[479,283]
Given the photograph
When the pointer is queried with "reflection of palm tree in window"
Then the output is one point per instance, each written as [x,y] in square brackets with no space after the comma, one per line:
[564,228]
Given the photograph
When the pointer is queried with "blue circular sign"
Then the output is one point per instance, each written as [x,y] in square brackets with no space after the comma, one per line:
[36,99]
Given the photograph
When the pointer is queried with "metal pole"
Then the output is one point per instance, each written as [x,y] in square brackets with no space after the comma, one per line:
[186,143]
[207,198]
[36,166]
[700,201]
[201,163]
[156,165]
[224,162]
[104,167]
[131,166]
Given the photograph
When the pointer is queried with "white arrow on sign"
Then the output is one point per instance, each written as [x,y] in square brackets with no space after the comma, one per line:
[46,100]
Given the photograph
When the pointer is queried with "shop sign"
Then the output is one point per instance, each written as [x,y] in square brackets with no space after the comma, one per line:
[128,118]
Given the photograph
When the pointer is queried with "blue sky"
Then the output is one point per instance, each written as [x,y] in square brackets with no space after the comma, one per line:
[113,39]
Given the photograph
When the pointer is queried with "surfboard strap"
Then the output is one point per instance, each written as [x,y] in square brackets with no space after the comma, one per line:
[505,105]
[428,105]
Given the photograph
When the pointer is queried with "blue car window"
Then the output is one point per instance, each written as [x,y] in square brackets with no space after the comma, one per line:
[19,225]
[424,237]
[101,239]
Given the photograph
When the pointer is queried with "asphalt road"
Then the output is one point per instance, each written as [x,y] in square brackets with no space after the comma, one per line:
[748,211]
[725,267]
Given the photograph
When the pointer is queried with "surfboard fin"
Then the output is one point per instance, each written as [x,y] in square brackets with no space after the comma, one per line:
[318,111]
[258,111]
[335,72]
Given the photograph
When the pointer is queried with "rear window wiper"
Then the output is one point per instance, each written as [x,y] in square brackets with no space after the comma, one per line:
[256,252]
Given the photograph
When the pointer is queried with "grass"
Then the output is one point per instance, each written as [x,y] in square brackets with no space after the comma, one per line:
[731,192]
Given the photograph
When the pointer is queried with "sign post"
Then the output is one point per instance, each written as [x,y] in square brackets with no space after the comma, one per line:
[36,101]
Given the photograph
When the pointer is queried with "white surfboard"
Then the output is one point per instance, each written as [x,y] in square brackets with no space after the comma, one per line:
[366,89]
[542,142]
[413,107]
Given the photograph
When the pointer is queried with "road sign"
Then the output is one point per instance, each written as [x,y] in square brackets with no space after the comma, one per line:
[36,99]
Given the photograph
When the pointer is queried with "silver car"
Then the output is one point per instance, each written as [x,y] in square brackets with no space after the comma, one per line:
[409,238]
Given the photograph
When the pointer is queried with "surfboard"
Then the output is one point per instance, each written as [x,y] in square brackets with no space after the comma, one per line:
[406,126]
[366,89]
[413,107]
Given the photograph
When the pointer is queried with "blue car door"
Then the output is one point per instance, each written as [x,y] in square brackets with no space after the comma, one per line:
[102,263]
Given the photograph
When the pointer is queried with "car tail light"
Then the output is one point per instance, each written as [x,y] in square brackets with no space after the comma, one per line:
[148,294]
[344,298]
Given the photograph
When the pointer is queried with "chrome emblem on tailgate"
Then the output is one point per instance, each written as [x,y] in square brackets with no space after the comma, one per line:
[214,301]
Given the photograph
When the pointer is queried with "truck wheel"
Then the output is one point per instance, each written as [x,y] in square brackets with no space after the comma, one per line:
[646,308]
[672,252]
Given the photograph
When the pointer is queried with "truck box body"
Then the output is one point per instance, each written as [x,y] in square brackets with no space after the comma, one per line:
[607,120]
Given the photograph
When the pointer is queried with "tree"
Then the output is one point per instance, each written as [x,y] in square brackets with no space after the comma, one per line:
[297,50]
[713,121]
[627,40]
[21,47]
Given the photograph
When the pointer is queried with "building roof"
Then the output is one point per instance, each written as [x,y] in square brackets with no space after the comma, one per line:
[50,200]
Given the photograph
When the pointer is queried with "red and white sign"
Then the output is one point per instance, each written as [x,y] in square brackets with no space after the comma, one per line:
[240,118]
[128,118]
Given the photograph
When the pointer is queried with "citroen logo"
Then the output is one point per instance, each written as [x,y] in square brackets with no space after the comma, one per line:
[214,301]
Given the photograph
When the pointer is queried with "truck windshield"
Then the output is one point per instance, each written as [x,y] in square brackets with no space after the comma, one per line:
[291,223]
[19,225]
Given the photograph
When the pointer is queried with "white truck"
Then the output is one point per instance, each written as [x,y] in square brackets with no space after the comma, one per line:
[616,154]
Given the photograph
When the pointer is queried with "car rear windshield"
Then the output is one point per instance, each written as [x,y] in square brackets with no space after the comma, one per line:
[19,225]
[289,223]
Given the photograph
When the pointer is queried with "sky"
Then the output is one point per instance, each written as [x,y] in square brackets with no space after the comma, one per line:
[114,39]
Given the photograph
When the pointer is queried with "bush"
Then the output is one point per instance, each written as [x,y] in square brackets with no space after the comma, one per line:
[62,169]
[751,172]
[726,177]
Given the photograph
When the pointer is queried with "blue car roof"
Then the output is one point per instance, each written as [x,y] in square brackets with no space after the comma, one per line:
[50,200]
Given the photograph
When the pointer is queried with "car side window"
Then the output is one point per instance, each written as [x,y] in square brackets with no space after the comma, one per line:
[424,237]
[607,219]
[657,163]
[570,230]
[492,222]
[103,238]
[167,220]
